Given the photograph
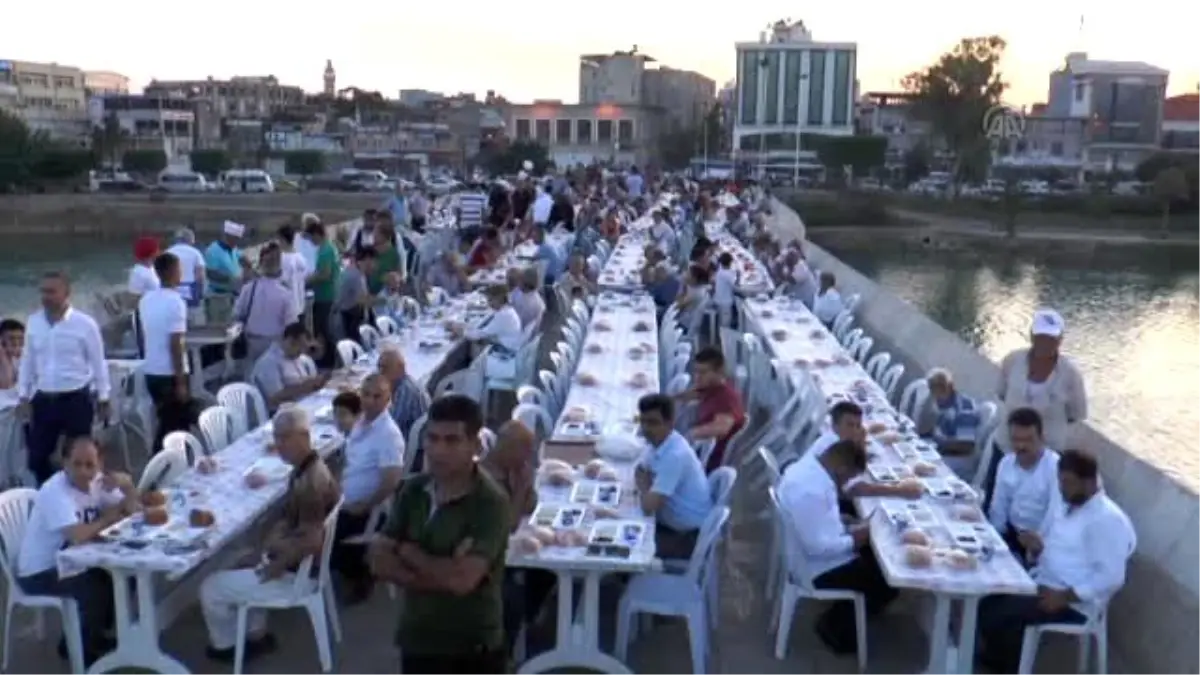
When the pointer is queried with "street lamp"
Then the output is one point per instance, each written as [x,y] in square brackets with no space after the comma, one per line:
[762,104]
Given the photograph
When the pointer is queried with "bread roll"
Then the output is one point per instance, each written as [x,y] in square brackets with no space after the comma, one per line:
[544,535]
[608,475]
[570,538]
[594,348]
[549,465]
[779,334]
[961,560]
[924,469]
[918,556]
[601,327]
[153,499]
[967,513]
[605,513]
[526,544]
[155,516]
[876,428]
[587,380]
[641,327]
[915,537]
[558,478]
[593,468]
[201,518]
[207,465]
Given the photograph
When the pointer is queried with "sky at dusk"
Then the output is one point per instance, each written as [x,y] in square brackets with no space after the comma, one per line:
[533,52]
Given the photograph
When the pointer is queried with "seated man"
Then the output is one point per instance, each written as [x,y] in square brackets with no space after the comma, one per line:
[447,273]
[1081,553]
[409,400]
[664,287]
[955,427]
[671,480]
[720,413]
[837,554]
[445,544]
[527,297]
[847,422]
[374,468]
[578,275]
[72,508]
[828,303]
[390,301]
[502,330]
[285,373]
[1026,481]
[270,572]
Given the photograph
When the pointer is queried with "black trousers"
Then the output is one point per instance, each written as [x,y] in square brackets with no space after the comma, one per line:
[1002,623]
[54,416]
[93,590]
[322,315]
[482,661]
[417,224]
[525,591]
[173,414]
[863,575]
[351,320]
[673,544]
[350,560]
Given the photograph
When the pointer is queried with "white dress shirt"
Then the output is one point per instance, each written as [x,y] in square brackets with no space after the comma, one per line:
[1086,549]
[809,494]
[370,447]
[828,305]
[143,279]
[295,272]
[163,314]
[542,206]
[1022,496]
[64,356]
[723,285]
[502,328]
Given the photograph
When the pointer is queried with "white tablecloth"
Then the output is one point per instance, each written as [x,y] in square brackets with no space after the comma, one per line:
[806,347]
[612,401]
[622,270]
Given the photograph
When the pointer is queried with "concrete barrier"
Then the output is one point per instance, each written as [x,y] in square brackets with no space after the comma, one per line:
[1154,622]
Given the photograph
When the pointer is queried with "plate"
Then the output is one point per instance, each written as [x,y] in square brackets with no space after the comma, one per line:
[272,468]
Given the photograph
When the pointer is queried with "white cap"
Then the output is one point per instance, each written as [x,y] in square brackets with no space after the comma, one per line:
[1048,322]
[233,229]
[308,219]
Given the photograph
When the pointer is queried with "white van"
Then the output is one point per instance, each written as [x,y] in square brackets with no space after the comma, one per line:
[371,180]
[247,180]
[182,181]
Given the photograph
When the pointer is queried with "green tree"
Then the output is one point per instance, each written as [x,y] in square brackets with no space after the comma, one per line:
[916,164]
[144,161]
[62,164]
[860,153]
[713,127]
[210,162]
[1170,186]
[510,160]
[954,95]
[17,147]
[676,149]
[304,162]
[108,140]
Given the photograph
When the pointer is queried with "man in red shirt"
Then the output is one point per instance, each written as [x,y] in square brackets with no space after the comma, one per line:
[720,413]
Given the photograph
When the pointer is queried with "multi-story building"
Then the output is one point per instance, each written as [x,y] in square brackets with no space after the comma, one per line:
[420,97]
[105,83]
[789,86]
[612,79]
[577,133]
[49,97]
[147,123]
[1121,100]
[1181,123]
[236,98]
[684,95]
[889,114]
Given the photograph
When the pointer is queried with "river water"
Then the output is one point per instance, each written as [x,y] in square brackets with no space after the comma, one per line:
[1132,326]
[93,265]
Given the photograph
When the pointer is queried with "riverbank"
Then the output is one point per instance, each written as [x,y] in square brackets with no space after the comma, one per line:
[1154,619]
[126,216]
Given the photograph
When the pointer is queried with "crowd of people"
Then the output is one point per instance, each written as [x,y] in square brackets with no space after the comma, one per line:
[444,540]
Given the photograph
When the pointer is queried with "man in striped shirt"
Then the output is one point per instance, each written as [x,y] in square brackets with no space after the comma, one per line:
[409,401]
[469,209]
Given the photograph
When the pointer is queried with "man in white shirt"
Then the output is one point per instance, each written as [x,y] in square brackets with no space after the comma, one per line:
[374,468]
[828,303]
[305,246]
[724,289]
[191,265]
[1026,481]
[164,323]
[294,270]
[527,298]
[72,508]
[62,363]
[1082,550]
[836,551]
[846,419]
[502,329]
[542,206]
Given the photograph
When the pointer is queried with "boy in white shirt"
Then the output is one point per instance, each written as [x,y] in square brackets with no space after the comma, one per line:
[295,268]
[72,508]
[828,303]
[724,285]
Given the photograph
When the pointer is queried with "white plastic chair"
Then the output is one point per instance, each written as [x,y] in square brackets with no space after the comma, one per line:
[679,384]
[15,507]
[468,381]
[387,325]
[350,352]
[720,485]
[413,443]
[913,399]
[314,595]
[487,441]
[680,595]
[216,425]
[861,348]
[1095,627]
[242,400]
[536,418]
[851,337]
[369,335]
[891,379]
[877,364]
[192,447]
[842,323]
[797,584]
[164,468]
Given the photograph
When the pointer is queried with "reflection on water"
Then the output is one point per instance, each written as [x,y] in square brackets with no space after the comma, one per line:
[92,265]
[1131,318]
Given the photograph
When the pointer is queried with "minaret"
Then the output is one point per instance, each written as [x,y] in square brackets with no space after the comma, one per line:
[330,78]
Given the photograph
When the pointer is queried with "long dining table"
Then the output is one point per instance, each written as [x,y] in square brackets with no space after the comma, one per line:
[605,409]
[166,571]
[948,512]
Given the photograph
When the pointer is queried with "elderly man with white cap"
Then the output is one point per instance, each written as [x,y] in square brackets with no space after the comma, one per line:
[1041,377]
